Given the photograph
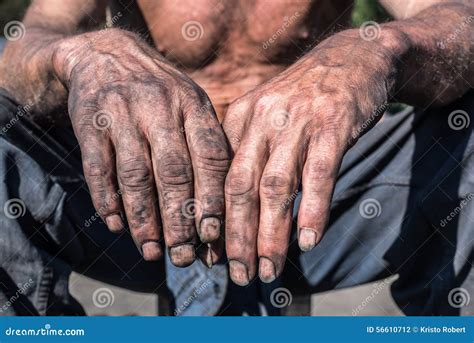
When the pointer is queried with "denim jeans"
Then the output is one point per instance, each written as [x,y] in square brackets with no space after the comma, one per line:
[402,205]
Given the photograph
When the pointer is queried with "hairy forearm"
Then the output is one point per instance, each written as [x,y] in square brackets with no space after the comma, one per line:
[434,66]
[424,61]
[27,73]
[26,68]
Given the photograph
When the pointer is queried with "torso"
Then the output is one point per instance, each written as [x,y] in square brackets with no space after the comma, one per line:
[230,46]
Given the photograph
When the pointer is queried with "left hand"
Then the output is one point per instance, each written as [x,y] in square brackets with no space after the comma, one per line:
[296,128]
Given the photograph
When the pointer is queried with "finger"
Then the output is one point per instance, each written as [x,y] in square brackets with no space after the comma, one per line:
[174,180]
[278,185]
[98,162]
[242,207]
[210,155]
[99,170]
[234,122]
[136,182]
[319,177]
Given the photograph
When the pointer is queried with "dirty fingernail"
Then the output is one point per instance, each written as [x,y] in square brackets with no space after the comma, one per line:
[307,239]
[151,251]
[267,270]
[210,229]
[114,223]
[238,273]
[182,255]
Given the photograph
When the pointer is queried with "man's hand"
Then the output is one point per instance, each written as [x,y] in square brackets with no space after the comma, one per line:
[296,128]
[146,129]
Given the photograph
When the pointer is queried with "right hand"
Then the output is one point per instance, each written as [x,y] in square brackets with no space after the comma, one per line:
[148,133]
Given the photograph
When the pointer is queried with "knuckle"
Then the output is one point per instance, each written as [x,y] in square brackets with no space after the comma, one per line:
[239,188]
[260,106]
[263,104]
[175,170]
[211,150]
[216,164]
[94,170]
[237,107]
[135,175]
[275,185]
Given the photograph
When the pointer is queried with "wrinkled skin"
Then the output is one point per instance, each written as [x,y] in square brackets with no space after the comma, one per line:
[295,129]
[289,121]
[147,129]
[311,114]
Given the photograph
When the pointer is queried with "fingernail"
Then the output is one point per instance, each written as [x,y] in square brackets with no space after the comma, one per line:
[182,255]
[307,239]
[210,229]
[266,270]
[238,273]
[114,223]
[151,251]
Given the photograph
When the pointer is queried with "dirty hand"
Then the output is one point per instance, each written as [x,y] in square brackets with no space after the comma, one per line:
[295,129]
[150,142]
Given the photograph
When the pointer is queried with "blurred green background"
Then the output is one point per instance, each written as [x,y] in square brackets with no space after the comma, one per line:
[364,10]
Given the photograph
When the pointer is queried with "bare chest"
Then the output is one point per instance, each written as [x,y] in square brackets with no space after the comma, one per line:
[194,33]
